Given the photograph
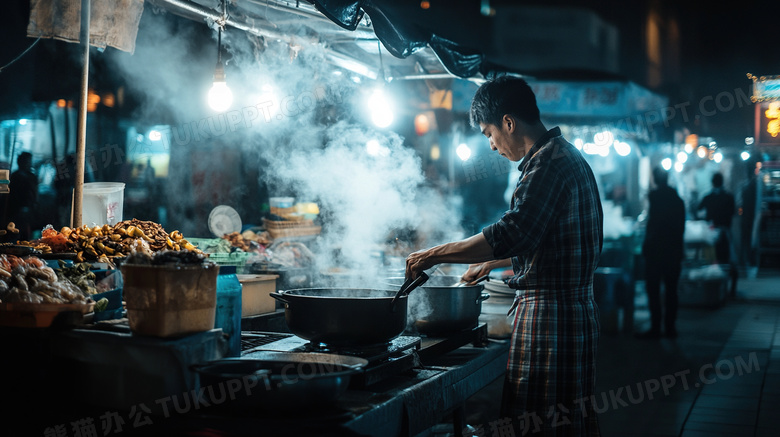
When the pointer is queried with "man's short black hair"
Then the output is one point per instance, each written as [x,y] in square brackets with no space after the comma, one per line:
[717,180]
[503,95]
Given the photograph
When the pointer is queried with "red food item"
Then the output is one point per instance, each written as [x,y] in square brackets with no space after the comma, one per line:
[54,239]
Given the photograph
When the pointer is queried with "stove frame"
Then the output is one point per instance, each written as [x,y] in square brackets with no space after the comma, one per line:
[402,354]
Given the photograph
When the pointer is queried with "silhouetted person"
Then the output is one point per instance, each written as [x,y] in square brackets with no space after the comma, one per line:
[720,207]
[748,202]
[663,251]
[23,198]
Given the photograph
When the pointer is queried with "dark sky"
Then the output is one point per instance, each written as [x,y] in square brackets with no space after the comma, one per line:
[725,42]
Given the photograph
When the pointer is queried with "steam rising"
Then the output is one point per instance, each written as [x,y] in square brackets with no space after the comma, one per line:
[302,149]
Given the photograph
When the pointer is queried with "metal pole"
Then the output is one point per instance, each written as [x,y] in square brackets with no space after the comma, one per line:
[82,124]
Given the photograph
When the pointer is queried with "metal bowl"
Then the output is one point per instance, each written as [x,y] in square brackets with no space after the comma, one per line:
[439,307]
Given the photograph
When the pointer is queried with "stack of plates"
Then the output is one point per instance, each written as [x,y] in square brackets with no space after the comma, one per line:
[494,310]
[498,287]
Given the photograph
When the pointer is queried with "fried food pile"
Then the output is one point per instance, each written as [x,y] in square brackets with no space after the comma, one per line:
[101,242]
[248,241]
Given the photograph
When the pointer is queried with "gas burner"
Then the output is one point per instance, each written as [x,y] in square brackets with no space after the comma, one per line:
[372,353]
[372,349]
[384,360]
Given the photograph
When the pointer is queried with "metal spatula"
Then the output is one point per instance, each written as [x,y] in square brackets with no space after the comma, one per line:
[474,282]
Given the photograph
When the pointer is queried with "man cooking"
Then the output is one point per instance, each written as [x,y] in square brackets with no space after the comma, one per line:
[552,237]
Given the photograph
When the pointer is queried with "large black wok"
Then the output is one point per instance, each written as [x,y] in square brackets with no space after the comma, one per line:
[272,381]
[344,317]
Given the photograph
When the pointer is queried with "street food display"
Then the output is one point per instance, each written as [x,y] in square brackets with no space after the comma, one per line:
[249,241]
[289,254]
[101,243]
[257,248]
[30,280]
[57,273]
[80,274]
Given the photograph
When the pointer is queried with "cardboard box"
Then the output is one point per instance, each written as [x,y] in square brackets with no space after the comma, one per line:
[254,294]
[167,301]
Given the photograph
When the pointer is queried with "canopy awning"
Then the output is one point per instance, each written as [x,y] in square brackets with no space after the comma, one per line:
[459,38]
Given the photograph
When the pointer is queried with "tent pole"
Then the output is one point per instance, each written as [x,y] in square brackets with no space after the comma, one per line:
[82,123]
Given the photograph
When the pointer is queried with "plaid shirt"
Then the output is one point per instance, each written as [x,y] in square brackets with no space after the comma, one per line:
[554,228]
[553,232]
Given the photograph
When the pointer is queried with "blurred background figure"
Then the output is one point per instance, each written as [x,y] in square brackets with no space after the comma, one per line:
[720,208]
[663,251]
[23,198]
[748,230]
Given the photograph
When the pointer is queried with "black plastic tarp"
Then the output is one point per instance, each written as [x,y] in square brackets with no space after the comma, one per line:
[403,28]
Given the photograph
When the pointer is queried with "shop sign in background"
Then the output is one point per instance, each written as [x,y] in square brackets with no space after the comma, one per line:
[768,123]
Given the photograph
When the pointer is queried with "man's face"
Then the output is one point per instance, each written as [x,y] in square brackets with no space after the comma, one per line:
[501,140]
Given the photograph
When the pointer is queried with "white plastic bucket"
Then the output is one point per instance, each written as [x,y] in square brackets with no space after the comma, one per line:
[102,203]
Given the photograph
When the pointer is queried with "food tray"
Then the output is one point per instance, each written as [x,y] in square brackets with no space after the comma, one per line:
[18,250]
[42,315]
[204,243]
[237,259]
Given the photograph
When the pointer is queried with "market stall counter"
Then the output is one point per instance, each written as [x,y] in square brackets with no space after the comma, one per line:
[94,378]
[404,404]
[63,377]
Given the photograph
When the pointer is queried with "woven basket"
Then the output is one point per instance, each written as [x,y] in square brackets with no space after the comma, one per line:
[290,214]
[282,211]
[291,228]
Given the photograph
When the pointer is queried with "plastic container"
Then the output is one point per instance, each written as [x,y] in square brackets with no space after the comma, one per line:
[255,298]
[236,260]
[102,203]
[168,301]
[281,202]
[228,314]
[5,179]
[110,281]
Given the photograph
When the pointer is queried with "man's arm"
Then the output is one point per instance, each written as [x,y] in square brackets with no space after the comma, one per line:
[474,249]
[475,271]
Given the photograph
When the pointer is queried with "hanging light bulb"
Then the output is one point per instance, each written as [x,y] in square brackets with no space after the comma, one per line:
[463,151]
[379,105]
[220,97]
[381,108]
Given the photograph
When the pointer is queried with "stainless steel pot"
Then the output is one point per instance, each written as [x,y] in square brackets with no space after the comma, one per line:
[344,317]
[439,307]
[272,381]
